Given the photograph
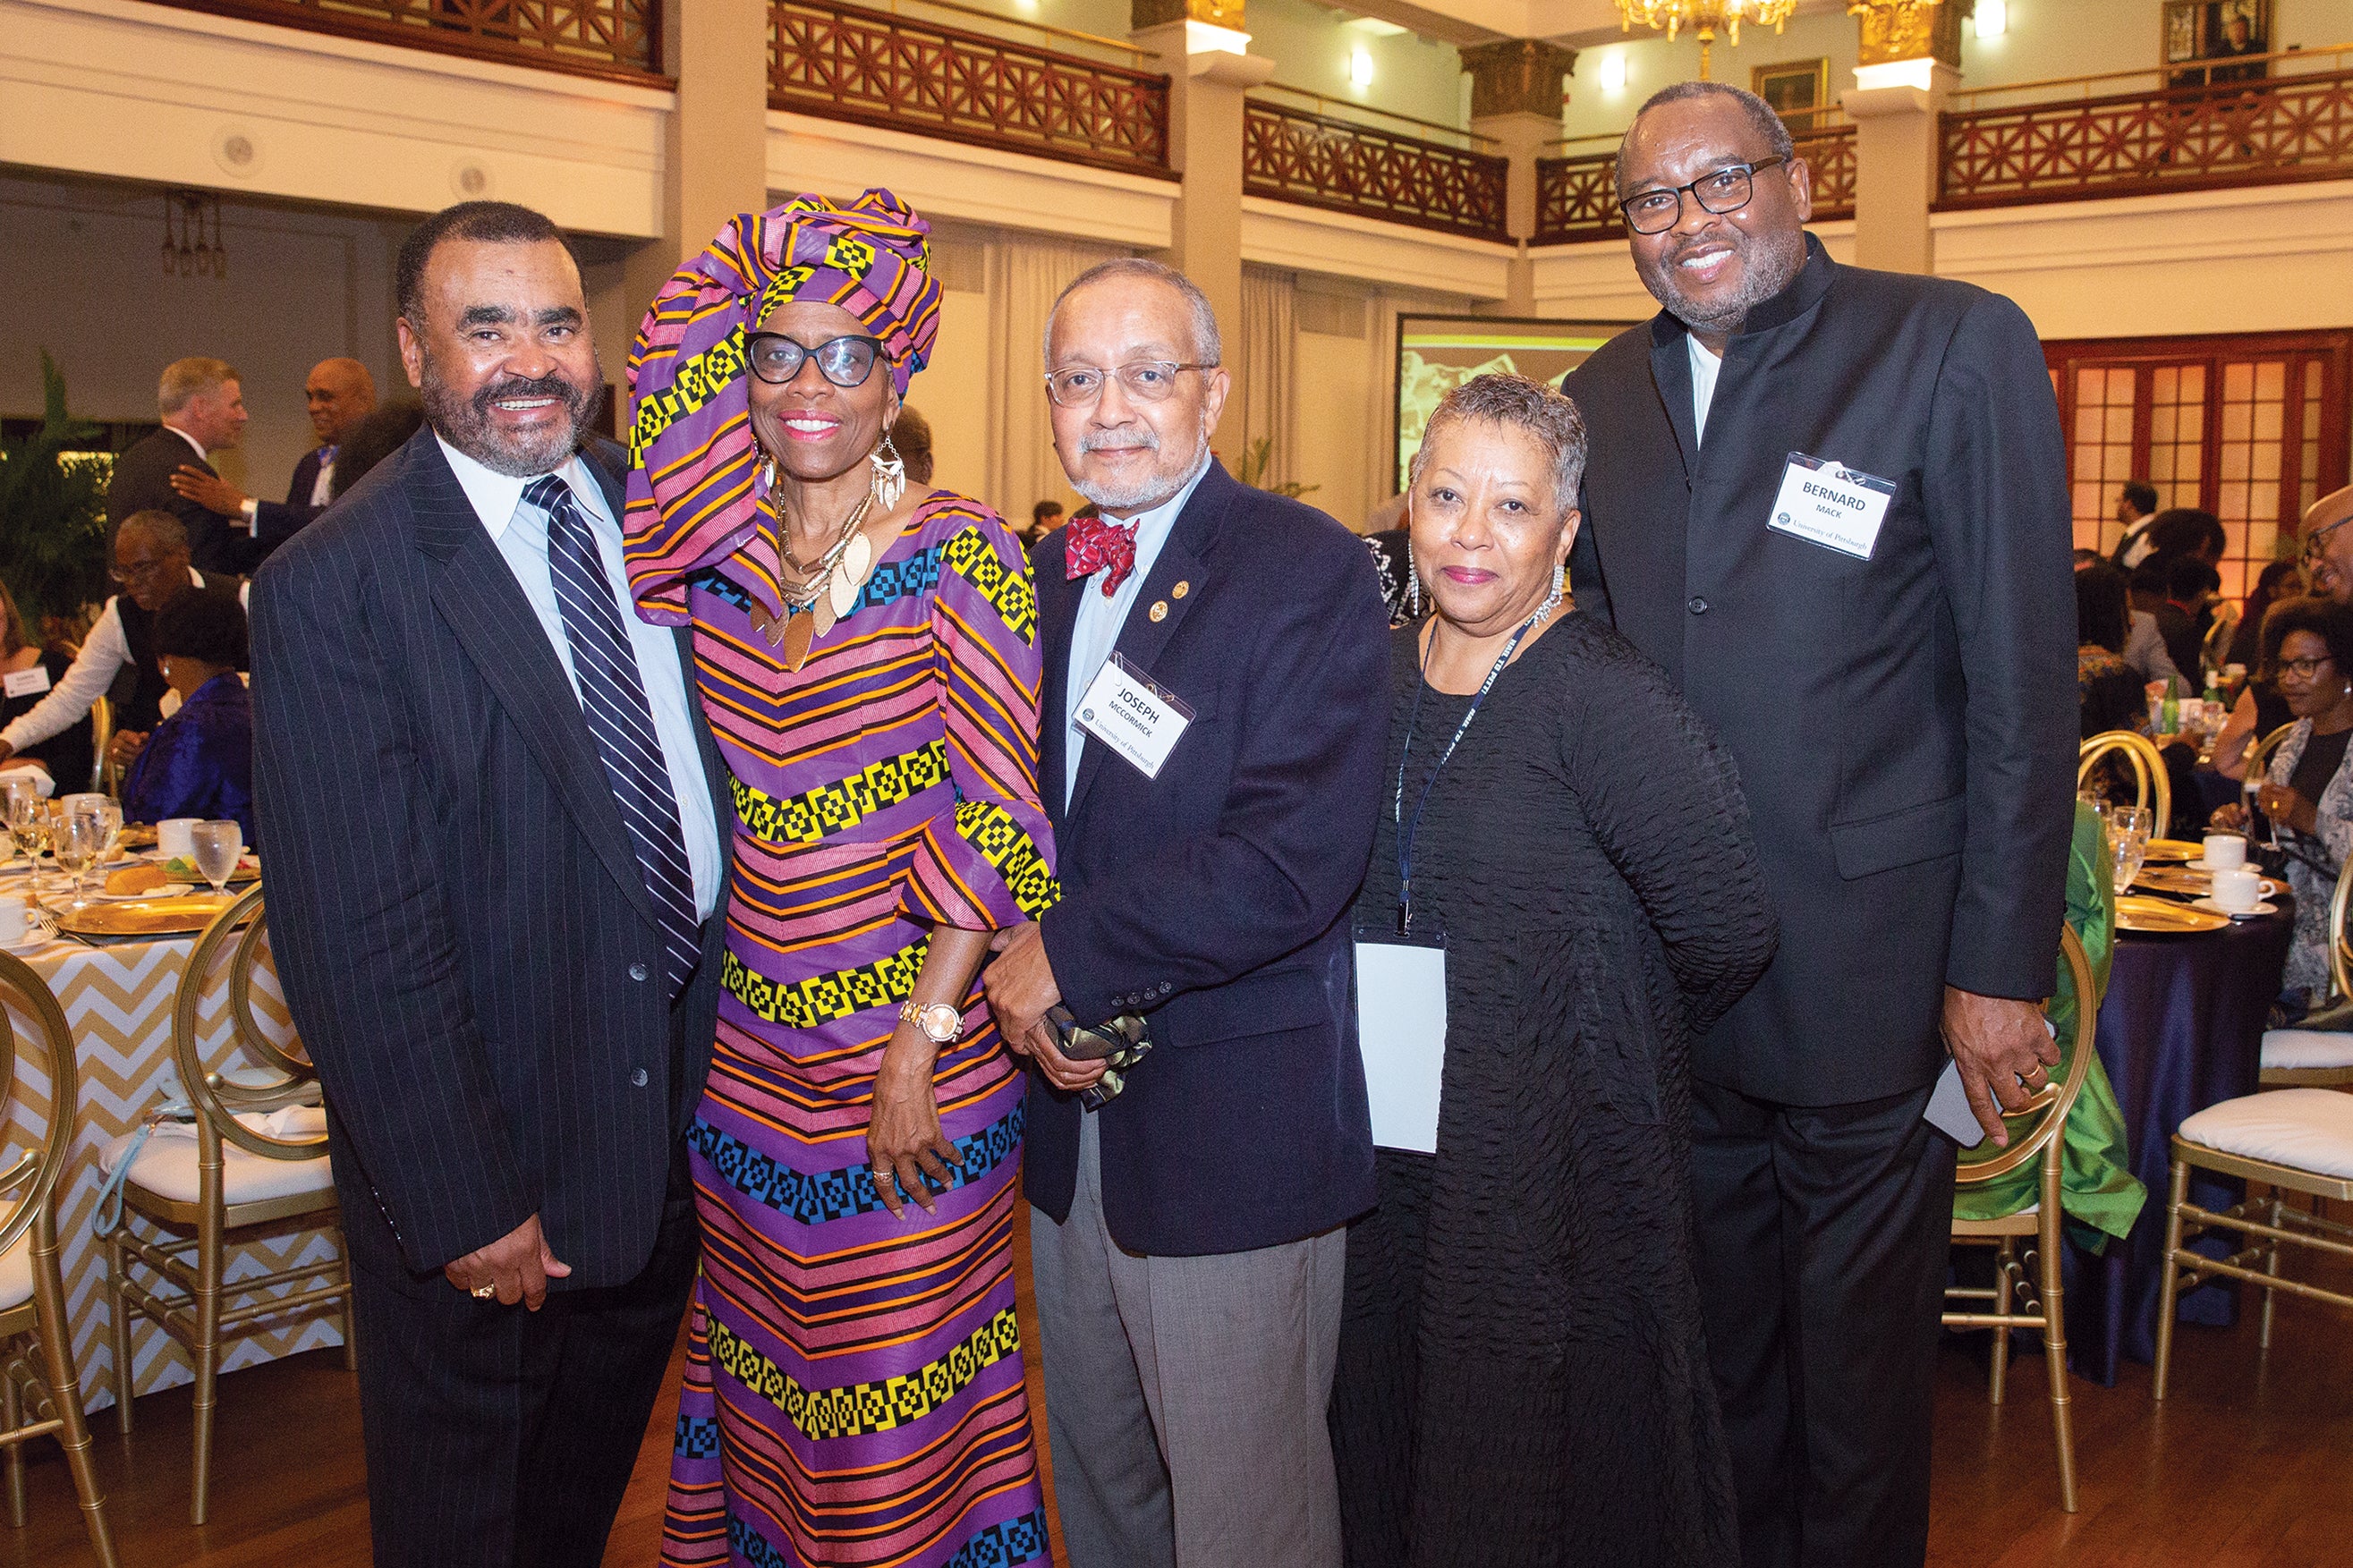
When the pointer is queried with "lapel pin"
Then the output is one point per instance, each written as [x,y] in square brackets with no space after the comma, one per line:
[1180,590]
[1159,611]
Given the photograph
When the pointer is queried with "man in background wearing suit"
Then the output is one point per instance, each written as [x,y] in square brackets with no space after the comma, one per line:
[339,395]
[1832,504]
[203,409]
[1186,1235]
[489,805]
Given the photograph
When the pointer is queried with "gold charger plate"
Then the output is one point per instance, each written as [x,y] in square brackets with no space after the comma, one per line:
[2182,879]
[2164,915]
[148,917]
[2161,850]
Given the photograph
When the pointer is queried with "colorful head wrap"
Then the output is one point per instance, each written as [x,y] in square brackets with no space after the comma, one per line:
[694,498]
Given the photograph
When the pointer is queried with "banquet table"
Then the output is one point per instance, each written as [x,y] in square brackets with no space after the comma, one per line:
[2181,1028]
[117,999]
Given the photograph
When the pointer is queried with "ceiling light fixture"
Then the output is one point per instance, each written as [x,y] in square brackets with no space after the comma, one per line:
[1706,17]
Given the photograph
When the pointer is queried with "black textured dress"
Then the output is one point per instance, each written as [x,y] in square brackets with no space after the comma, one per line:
[1523,1378]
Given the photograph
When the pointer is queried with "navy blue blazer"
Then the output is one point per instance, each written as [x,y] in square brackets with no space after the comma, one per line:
[275,522]
[462,929]
[1215,899]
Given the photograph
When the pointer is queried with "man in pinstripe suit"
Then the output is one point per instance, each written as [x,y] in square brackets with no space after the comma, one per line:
[486,799]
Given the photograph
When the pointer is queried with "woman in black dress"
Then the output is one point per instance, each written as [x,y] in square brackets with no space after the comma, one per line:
[32,671]
[1522,1375]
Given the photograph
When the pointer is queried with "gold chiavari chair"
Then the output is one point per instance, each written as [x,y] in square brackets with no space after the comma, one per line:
[2214,649]
[245,1174]
[2026,1293]
[40,1389]
[2260,761]
[2319,1058]
[2290,1141]
[2151,786]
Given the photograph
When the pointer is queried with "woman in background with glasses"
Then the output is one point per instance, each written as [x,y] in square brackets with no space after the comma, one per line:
[2309,795]
[865,649]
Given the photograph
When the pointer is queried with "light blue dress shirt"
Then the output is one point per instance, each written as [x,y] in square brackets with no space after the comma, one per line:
[1096,631]
[520,533]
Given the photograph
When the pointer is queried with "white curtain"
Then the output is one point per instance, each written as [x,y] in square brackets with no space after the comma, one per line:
[1024,277]
[1266,375]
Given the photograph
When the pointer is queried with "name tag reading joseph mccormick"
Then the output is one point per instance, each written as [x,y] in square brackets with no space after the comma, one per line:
[1838,508]
[1137,720]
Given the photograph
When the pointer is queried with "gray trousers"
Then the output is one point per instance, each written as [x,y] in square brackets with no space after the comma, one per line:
[1185,1396]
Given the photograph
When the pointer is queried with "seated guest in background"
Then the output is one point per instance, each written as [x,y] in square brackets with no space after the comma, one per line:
[1526,1382]
[2327,560]
[2145,649]
[202,408]
[373,439]
[2187,530]
[2107,689]
[200,762]
[339,393]
[2154,584]
[2280,580]
[913,437]
[151,562]
[32,672]
[1044,518]
[2309,795]
[1187,1231]
[2136,504]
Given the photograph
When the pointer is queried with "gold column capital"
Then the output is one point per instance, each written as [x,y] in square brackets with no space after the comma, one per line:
[1143,14]
[1518,76]
[1890,30]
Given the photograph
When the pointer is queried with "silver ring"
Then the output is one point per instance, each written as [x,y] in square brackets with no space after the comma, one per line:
[484,1292]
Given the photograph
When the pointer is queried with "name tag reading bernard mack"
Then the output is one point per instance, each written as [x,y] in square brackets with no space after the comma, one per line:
[1137,720]
[1838,508]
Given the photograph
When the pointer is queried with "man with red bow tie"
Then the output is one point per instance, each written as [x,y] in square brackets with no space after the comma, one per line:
[1215,716]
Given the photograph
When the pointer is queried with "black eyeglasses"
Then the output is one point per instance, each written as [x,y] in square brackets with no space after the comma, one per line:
[845,361]
[1727,191]
[2311,546]
[2302,669]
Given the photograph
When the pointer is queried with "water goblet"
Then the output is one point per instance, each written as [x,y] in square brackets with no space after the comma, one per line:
[76,843]
[218,844]
[29,828]
[108,815]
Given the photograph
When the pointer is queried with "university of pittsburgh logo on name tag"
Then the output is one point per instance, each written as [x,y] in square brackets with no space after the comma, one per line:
[1139,721]
[1835,507]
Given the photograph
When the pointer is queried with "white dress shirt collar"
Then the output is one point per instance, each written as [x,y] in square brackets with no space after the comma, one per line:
[495,495]
[1705,366]
[202,456]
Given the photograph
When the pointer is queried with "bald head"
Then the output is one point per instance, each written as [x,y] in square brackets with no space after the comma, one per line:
[2328,545]
[339,393]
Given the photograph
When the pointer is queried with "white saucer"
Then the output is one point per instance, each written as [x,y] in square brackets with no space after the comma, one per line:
[2200,865]
[44,931]
[2265,908]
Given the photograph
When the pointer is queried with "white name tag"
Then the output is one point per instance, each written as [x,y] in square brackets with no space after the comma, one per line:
[1838,508]
[1139,721]
[1401,1031]
[26,682]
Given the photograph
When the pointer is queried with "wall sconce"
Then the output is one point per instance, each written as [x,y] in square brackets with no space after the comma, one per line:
[1993,19]
[1360,69]
[1613,71]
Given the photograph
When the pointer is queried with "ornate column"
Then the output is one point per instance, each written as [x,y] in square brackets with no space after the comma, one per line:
[1517,87]
[1202,46]
[1908,59]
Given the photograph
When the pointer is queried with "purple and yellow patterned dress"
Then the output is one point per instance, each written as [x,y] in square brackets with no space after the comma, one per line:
[854,1389]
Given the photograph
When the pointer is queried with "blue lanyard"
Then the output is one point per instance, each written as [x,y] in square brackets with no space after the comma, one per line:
[1406,830]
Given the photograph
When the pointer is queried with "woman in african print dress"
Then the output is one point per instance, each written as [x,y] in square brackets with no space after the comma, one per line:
[868,659]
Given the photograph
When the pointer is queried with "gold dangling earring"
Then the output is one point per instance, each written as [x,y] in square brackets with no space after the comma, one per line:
[767,464]
[890,481]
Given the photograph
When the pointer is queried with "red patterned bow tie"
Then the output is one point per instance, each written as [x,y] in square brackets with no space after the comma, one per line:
[1095,543]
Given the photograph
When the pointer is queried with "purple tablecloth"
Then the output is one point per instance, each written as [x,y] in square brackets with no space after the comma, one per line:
[2181,1028]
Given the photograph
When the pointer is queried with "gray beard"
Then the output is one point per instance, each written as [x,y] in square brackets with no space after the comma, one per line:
[465,423]
[1146,492]
[1770,266]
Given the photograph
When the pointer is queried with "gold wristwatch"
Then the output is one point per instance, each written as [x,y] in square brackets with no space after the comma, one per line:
[941,1022]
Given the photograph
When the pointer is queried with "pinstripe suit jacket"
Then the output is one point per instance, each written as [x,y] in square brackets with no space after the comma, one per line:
[460,921]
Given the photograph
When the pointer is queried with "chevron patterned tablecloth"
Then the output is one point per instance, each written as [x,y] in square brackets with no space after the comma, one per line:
[119,1001]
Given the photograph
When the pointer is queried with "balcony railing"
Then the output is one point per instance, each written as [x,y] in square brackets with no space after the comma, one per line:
[1347,166]
[618,40]
[845,62]
[1577,197]
[2262,132]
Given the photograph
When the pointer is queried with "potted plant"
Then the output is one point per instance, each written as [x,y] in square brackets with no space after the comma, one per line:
[53,513]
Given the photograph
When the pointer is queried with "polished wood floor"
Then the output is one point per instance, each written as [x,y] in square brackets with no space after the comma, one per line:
[2248,1465]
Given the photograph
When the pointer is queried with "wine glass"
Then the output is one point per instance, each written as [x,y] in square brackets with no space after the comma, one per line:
[76,842]
[15,787]
[2128,833]
[28,826]
[108,815]
[218,844]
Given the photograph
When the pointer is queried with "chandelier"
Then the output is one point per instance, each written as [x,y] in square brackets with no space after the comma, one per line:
[1706,17]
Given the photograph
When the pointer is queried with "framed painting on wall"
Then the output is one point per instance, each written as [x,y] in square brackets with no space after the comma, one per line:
[1437,353]
[2199,31]
[1799,90]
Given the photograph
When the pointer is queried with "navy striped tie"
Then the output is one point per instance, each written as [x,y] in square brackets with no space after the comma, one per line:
[613,700]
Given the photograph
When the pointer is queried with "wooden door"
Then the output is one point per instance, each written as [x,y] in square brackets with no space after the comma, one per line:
[2251,428]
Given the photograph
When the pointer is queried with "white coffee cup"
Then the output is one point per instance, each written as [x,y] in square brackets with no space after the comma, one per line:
[2237,890]
[2225,851]
[176,837]
[16,921]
